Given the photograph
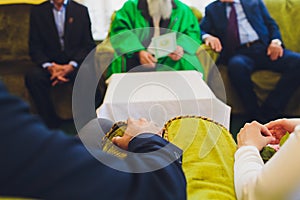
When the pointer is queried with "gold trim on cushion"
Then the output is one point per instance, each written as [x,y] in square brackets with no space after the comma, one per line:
[117,129]
[21,1]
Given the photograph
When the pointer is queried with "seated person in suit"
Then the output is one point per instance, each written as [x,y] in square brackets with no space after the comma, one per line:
[279,178]
[249,39]
[42,164]
[59,40]
[138,21]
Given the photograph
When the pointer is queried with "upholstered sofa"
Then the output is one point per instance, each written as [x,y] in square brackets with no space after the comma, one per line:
[15,61]
[284,12]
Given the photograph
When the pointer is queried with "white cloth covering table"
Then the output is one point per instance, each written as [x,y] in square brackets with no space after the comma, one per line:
[160,96]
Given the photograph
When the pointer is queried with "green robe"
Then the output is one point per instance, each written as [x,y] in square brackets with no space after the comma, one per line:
[130,30]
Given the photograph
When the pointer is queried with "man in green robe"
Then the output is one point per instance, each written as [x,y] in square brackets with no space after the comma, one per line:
[138,21]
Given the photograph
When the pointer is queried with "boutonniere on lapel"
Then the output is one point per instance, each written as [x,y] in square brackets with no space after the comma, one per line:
[70,20]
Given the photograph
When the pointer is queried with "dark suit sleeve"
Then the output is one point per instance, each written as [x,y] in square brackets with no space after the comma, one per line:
[39,163]
[79,52]
[36,43]
[206,23]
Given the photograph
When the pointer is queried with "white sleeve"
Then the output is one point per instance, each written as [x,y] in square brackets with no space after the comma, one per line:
[247,166]
[206,35]
[275,180]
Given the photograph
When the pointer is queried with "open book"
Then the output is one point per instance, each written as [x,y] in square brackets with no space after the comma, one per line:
[163,45]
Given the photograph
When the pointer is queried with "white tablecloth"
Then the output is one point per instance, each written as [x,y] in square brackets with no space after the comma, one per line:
[160,96]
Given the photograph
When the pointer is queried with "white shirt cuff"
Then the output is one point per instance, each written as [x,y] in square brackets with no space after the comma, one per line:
[73,63]
[206,36]
[45,65]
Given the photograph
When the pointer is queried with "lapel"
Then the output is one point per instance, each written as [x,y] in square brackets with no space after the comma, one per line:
[69,20]
[247,6]
[222,17]
[51,26]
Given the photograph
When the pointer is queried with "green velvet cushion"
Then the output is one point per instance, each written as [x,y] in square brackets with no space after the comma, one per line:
[208,156]
[286,14]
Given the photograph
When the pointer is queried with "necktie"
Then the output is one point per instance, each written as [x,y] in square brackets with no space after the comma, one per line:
[233,39]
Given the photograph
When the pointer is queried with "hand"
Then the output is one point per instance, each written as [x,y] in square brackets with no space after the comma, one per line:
[56,71]
[67,69]
[60,80]
[279,127]
[135,128]
[254,134]
[214,43]
[177,54]
[227,1]
[63,70]
[147,59]
[59,72]
[274,51]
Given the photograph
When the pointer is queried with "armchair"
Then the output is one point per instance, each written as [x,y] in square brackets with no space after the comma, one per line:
[284,13]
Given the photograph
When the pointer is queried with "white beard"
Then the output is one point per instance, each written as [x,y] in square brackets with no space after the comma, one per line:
[160,8]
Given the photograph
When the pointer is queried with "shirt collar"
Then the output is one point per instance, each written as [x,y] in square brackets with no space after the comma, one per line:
[235,1]
[65,2]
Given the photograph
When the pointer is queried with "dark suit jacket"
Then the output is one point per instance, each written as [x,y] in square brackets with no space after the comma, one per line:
[44,45]
[215,21]
[44,164]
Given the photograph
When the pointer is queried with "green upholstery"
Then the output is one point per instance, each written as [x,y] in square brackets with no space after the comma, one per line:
[285,14]
[15,61]
[208,156]
[197,13]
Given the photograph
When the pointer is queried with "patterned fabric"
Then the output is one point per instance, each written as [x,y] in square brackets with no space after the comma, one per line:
[117,129]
